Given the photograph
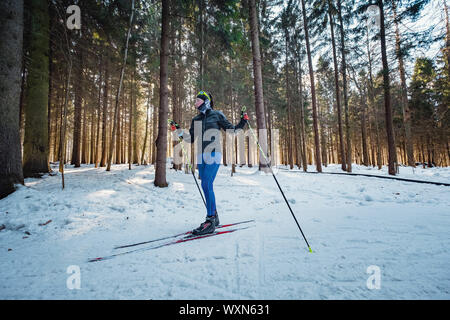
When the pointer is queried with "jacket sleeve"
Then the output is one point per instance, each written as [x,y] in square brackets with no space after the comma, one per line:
[225,124]
[190,139]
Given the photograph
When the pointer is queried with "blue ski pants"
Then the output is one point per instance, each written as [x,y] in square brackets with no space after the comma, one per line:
[207,168]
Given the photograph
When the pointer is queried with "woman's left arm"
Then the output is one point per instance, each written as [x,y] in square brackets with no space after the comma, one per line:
[225,124]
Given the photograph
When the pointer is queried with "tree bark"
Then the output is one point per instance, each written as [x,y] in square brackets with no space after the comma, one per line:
[387,94]
[364,132]
[92,135]
[59,103]
[344,85]
[62,139]
[105,114]
[84,146]
[154,134]
[176,108]
[373,107]
[337,92]
[143,159]
[99,106]
[447,35]
[323,142]
[35,148]
[161,141]
[76,150]
[302,117]
[313,93]
[50,90]
[11,33]
[135,124]
[404,93]
[258,83]
[288,101]
[130,126]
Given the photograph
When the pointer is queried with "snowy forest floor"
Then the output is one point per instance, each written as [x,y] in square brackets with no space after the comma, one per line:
[351,223]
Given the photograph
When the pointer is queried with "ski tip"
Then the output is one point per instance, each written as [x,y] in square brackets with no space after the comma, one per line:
[310,250]
[95,259]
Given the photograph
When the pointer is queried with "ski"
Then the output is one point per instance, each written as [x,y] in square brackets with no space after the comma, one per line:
[189,237]
[179,235]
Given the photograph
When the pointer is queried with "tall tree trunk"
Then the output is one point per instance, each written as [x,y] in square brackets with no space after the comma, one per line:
[92,136]
[288,101]
[118,136]
[99,107]
[123,125]
[50,90]
[297,119]
[364,132]
[62,139]
[154,133]
[161,141]
[323,141]
[372,144]
[105,114]
[202,36]
[387,94]
[344,85]
[130,125]
[84,146]
[258,83]
[404,92]
[373,107]
[11,33]
[143,159]
[331,145]
[135,121]
[337,91]
[233,112]
[302,116]
[447,33]
[22,97]
[35,148]
[362,95]
[76,150]
[58,118]
[176,108]
[313,93]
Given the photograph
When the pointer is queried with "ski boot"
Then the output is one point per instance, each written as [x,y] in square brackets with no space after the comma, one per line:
[209,226]
[217,222]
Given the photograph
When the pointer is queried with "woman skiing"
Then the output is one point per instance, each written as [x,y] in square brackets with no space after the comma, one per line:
[208,160]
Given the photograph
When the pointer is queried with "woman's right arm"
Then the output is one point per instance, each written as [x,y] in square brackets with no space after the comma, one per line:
[180,132]
[190,139]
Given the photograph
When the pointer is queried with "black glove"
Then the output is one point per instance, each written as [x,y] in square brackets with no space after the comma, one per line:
[174,126]
[244,116]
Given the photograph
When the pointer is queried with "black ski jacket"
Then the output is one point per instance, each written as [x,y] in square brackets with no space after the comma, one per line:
[212,119]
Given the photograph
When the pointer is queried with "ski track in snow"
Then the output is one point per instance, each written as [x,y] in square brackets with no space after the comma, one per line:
[351,223]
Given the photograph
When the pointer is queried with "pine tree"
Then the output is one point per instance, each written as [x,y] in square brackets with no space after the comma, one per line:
[35,147]
[258,83]
[11,33]
[313,91]
[161,141]
[387,94]
[119,91]
[344,85]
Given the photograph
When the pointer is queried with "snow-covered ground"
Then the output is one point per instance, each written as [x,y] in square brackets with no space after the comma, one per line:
[434,174]
[351,223]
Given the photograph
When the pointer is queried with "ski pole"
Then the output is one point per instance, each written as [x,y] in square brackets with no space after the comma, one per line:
[273,175]
[180,141]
